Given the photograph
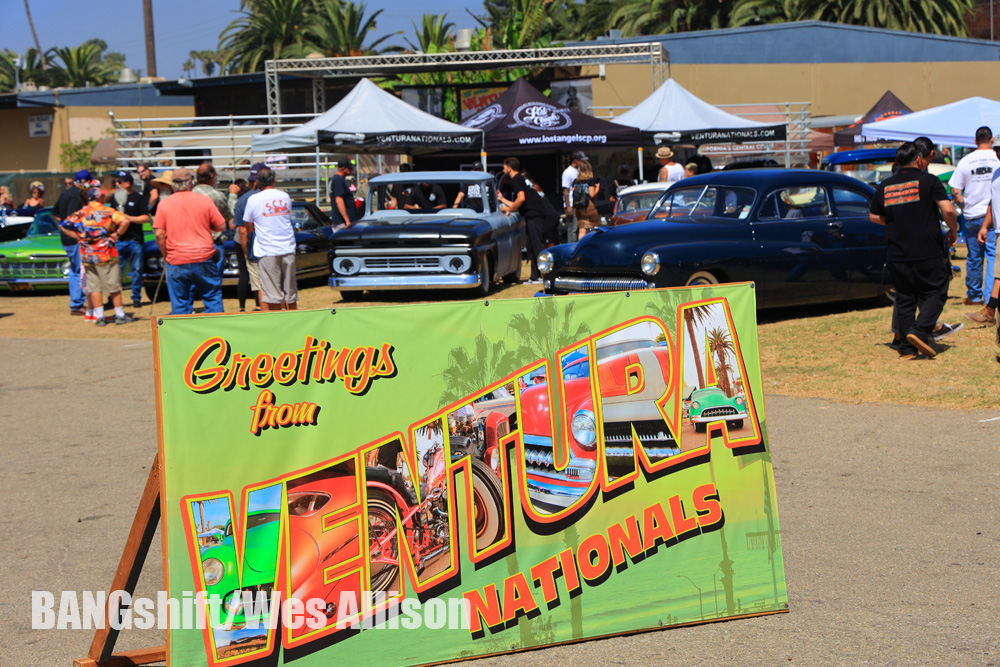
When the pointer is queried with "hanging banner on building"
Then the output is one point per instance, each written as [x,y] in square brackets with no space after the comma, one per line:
[416,484]
[474,100]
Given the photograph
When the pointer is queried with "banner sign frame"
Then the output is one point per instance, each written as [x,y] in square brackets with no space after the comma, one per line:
[255,413]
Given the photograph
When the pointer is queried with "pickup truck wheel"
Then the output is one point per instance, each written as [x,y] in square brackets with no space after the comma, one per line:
[151,292]
[485,278]
[702,278]
[352,296]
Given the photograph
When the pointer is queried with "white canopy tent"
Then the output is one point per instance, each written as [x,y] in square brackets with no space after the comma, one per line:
[370,119]
[674,115]
[952,124]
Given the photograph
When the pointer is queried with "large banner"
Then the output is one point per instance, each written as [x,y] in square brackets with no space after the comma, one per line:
[414,484]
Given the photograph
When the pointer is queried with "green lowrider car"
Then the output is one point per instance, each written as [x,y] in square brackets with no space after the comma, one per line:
[38,261]
[260,556]
[712,405]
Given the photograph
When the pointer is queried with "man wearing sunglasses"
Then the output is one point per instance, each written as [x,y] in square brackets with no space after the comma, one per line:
[183,225]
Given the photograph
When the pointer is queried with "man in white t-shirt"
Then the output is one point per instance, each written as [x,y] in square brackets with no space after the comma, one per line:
[988,314]
[970,187]
[670,171]
[569,175]
[268,215]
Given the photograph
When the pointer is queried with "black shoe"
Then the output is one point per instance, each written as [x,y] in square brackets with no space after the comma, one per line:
[125,319]
[945,330]
[136,305]
[895,344]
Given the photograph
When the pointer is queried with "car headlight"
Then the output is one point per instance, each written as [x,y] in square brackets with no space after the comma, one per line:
[347,266]
[231,262]
[544,261]
[584,429]
[650,263]
[153,263]
[65,268]
[456,263]
[495,458]
[738,400]
[213,569]
[695,406]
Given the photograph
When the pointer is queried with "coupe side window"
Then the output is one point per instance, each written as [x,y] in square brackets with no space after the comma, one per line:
[302,219]
[678,203]
[796,204]
[850,202]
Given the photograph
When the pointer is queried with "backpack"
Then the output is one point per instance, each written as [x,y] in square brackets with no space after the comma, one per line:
[581,194]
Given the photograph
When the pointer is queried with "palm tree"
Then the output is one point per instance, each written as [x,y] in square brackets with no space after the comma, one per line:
[34,35]
[720,343]
[80,65]
[469,371]
[942,17]
[654,17]
[433,34]
[268,30]
[697,315]
[340,28]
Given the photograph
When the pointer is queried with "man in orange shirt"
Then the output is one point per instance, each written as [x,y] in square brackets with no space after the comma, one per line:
[184,224]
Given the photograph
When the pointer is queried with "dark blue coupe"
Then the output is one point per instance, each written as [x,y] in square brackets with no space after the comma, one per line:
[803,236]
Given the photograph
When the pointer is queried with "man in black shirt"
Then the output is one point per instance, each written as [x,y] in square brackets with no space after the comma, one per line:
[400,192]
[133,205]
[907,203]
[426,196]
[345,209]
[525,200]
[70,201]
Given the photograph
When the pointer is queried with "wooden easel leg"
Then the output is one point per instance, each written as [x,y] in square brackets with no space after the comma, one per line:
[140,536]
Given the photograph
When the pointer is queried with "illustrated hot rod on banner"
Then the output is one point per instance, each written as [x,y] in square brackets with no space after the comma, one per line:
[415,484]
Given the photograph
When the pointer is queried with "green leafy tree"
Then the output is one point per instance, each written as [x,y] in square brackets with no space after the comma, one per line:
[340,28]
[78,66]
[656,17]
[267,30]
[434,34]
[76,155]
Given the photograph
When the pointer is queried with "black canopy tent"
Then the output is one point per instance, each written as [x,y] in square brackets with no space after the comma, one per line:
[889,106]
[523,120]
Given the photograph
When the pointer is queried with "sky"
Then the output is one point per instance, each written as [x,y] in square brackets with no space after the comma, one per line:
[181,26]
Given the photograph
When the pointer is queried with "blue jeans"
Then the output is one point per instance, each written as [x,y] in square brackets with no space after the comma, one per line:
[76,297]
[186,280]
[975,287]
[130,253]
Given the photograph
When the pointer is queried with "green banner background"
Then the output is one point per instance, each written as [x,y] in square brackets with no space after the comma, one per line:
[443,352]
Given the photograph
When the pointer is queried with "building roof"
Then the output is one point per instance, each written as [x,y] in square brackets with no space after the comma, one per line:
[816,42]
[130,94]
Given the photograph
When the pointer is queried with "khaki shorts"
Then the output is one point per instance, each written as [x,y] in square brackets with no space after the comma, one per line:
[277,279]
[104,278]
[254,272]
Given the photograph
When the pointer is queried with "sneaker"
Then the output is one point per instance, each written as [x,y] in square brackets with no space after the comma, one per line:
[125,319]
[985,316]
[945,330]
[922,347]
[101,322]
[966,301]
[77,311]
[88,317]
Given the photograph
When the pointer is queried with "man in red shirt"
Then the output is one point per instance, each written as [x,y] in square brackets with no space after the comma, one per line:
[184,224]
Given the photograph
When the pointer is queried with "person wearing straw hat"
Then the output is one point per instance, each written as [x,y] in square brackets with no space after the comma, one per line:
[164,186]
[670,171]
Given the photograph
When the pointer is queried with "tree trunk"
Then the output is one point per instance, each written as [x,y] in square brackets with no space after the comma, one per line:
[38,45]
[697,356]
[147,12]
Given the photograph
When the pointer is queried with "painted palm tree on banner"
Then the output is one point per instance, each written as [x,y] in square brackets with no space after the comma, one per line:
[469,370]
[720,344]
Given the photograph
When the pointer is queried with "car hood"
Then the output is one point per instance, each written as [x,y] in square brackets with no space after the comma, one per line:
[33,245]
[711,399]
[417,228]
[624,246]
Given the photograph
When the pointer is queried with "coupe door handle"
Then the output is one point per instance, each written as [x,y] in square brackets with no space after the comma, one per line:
[835,225]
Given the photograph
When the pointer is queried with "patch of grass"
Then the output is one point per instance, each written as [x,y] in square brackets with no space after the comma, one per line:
[843,355]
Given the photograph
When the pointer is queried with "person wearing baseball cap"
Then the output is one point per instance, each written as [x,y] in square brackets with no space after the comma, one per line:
[345,211]
[96,227]
[184,224]
[70,201]
[248,270]
[133,206]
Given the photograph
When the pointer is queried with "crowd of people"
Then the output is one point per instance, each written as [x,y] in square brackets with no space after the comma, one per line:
[102,234]
[910,204]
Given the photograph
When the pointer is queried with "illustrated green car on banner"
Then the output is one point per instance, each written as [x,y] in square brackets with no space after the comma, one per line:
[422,483]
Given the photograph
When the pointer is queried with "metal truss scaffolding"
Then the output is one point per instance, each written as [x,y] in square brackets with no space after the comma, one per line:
[391,64]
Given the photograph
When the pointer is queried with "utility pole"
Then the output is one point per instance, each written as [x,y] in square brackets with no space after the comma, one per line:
[147,12]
